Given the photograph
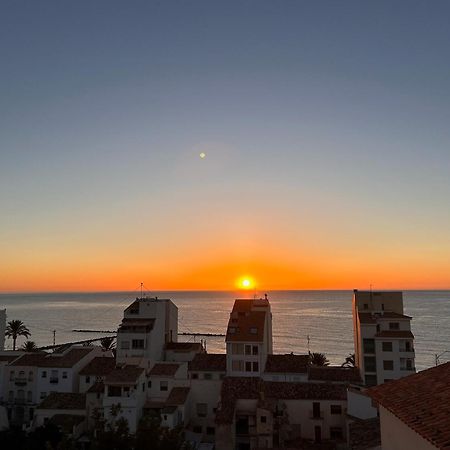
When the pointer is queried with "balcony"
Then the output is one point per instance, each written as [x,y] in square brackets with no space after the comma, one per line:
[316,416]
[20,381]
[407,368]
[54,380]
[19,401]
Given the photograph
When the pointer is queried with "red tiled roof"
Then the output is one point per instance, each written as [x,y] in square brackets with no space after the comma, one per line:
[235,388]
[165,370]
[287,363]
[178,396]
[98,387]
[247,326]
[8,357]
[339,374]
[63,400]
[30,359]
[421,401]
[208,362]
[393,315]
[184,346]
[124,375]
[99,366]
[69,359]
[395,334]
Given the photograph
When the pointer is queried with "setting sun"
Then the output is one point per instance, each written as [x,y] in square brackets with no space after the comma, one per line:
[246,283]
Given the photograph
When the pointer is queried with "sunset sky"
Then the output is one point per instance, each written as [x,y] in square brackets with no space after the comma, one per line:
[325,128]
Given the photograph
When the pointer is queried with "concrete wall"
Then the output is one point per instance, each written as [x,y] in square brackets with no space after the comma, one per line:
[360,405]
[395,435]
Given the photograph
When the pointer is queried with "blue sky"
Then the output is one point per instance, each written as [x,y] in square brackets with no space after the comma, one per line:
[322,122]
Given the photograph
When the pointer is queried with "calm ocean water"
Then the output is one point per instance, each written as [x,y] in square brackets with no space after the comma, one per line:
[323,315]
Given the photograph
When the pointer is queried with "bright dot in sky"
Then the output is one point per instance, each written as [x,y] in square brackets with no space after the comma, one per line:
[202,155]
[246,283]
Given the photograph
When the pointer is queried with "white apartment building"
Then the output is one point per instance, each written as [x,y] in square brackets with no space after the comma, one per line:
[384,343]
[148,324]
[31,377]
[249,337]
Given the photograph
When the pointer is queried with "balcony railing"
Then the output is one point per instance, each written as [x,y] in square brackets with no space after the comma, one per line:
[406,350]
[408,368]
[54,380]
[19,401]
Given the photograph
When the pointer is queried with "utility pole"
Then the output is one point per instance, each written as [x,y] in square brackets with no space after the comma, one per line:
[54,337]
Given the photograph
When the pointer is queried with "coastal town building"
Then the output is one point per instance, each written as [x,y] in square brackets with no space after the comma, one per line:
[414,411]
[247,398]
[384,343]
[31,377]
[148,324]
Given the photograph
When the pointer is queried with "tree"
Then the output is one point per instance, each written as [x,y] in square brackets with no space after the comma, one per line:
[108,343]
[318,359]
[29,346]
[15,329]
[349,361]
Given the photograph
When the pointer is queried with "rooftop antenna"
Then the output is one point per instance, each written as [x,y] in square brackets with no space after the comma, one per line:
[308,340]
[142,290]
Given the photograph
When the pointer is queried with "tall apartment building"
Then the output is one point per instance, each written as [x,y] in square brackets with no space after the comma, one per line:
[249,337]
[384,347]
[148,324]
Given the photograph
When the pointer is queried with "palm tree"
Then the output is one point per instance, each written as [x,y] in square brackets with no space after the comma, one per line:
[349,361]
[107,343]
[15,329]
[29,346]
[318,359]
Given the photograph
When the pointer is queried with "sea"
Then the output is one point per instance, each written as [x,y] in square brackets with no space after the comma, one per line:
[319,321]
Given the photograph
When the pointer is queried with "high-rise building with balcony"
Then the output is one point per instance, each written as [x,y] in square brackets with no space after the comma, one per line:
[384,343]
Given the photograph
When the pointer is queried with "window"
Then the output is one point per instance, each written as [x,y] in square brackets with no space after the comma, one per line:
[22,374]
[248,366]
[137,344]
[194,376]
[114,391]
[237,365]
[163,385]
[394,326]
[369,345]
[255,350]
[88,378]
[44,374]
[43,395]
[335,433]
[386,346]
[371,380]
[125,345]
[29,396]
[197,429]
[248,349]
[366,306]
[237,349]
[211,431]
[202,409]
[64,375]
[30,376]
[388,365]
[336,409]
[207,376]
[316,410]
[255,366]
[382,307]
[370,364]
[149,384]
[11,375]
[253,330]
[378,328]
[263,419]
